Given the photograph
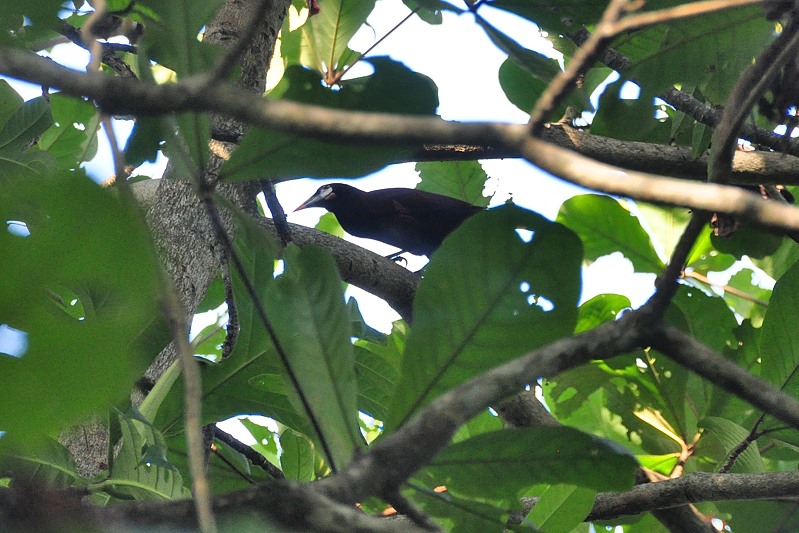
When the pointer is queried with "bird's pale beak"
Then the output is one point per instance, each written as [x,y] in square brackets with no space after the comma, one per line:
[309,202]
[324,193]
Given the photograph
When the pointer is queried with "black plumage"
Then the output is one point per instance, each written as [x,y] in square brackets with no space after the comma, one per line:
[414,221]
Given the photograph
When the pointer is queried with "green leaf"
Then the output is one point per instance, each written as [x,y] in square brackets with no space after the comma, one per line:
[431,11]
[271,153]
[695,51]
[10,101]
[249,381]
[265,440]
[600,309]
[526,74]
[464,180]
[18,137]
[44,462]
[561,508]
[555,16]
[307,311]
[214,297]
[141,470]
[72,139]
[631,119]
[171,38]
[145,141]
[779,342]
[754,307]
[463,515]
[504,464]
[25,125]
[731,435]
[84,240]
[377,373]
[297,459]
[495,294]
[605,227]
[328,33]
[750,241]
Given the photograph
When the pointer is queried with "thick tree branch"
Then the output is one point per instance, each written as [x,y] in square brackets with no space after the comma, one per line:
[722,372]
[695,488]
[657,189]
[394,458]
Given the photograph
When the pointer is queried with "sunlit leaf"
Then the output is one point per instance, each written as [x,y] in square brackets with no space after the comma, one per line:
[605,227]
[464,180]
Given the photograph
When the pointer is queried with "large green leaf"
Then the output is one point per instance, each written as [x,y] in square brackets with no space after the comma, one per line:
[606,227]
[297,457]
[779,343]
[464,180]
[504,464]
[377,371]
[709,52]
[306,307]
[18,135]
[464,515]
[45,462]
[171,38]
[629,118]
[283,156]
[489,295]
[87,246]
[306,310]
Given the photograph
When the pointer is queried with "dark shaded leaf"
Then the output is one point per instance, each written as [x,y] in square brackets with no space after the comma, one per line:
[496,294]
[505,463]
[82,239]
[270,153]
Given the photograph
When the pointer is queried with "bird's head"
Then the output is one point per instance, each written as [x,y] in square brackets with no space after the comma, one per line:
[326,195]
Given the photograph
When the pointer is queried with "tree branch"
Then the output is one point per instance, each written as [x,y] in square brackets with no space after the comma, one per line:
[722,372]
[695,488]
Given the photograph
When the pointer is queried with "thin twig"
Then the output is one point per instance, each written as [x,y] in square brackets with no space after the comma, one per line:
[341,74]
[234,468]
[278,215]
[175,316]
[722,372]
[120,170]
[666,282]
[560,87]
[662,16]
[94,45]
[405,507]
[254,457]
[726,288]
[233,327]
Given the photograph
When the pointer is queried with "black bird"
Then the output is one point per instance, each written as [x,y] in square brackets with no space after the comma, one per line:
[414,221]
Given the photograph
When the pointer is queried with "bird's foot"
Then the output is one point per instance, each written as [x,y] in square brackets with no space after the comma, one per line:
[397,257]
